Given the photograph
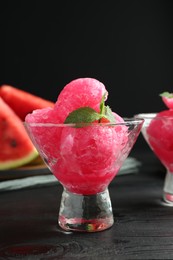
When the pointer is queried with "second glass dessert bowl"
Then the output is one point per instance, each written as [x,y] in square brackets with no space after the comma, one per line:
[158,132]
[85,158]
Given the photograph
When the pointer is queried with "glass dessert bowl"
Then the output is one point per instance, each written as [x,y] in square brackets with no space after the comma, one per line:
[158,133]
[84,159]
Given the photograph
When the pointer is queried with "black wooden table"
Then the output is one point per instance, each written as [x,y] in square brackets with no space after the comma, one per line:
[143,227]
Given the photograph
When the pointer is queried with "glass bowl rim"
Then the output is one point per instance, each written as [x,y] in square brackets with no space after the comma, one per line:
[127,121]
[151,116]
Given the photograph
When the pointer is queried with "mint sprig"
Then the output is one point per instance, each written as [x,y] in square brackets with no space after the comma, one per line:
[102,105]
[89,115]
[166,94]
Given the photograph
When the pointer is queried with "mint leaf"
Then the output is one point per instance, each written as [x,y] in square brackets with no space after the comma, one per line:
[102,105]
[82,115]
[109,115]
[166,94]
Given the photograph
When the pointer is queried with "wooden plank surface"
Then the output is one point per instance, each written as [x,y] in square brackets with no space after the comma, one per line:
[143,227]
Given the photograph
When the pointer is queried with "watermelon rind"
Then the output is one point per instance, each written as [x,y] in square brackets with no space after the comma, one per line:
[11,164]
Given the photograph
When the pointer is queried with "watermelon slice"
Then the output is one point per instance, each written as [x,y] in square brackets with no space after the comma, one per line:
[21,101]
[16,146]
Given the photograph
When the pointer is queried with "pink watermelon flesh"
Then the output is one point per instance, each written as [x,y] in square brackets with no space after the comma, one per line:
[16,146]
[160,137]
[86,159]
[21,101]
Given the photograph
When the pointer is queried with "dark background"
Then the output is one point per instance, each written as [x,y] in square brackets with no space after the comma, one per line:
[128,45]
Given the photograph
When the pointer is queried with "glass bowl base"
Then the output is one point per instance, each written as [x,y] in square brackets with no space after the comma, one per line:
[85,213]
[83,225]
[168,189]
[168,199]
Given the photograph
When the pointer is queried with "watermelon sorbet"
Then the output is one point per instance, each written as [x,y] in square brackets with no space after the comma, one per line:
[160,137]
[84,158]
[159,132]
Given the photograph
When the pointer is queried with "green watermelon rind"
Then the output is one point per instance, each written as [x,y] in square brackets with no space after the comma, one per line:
[11,164]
